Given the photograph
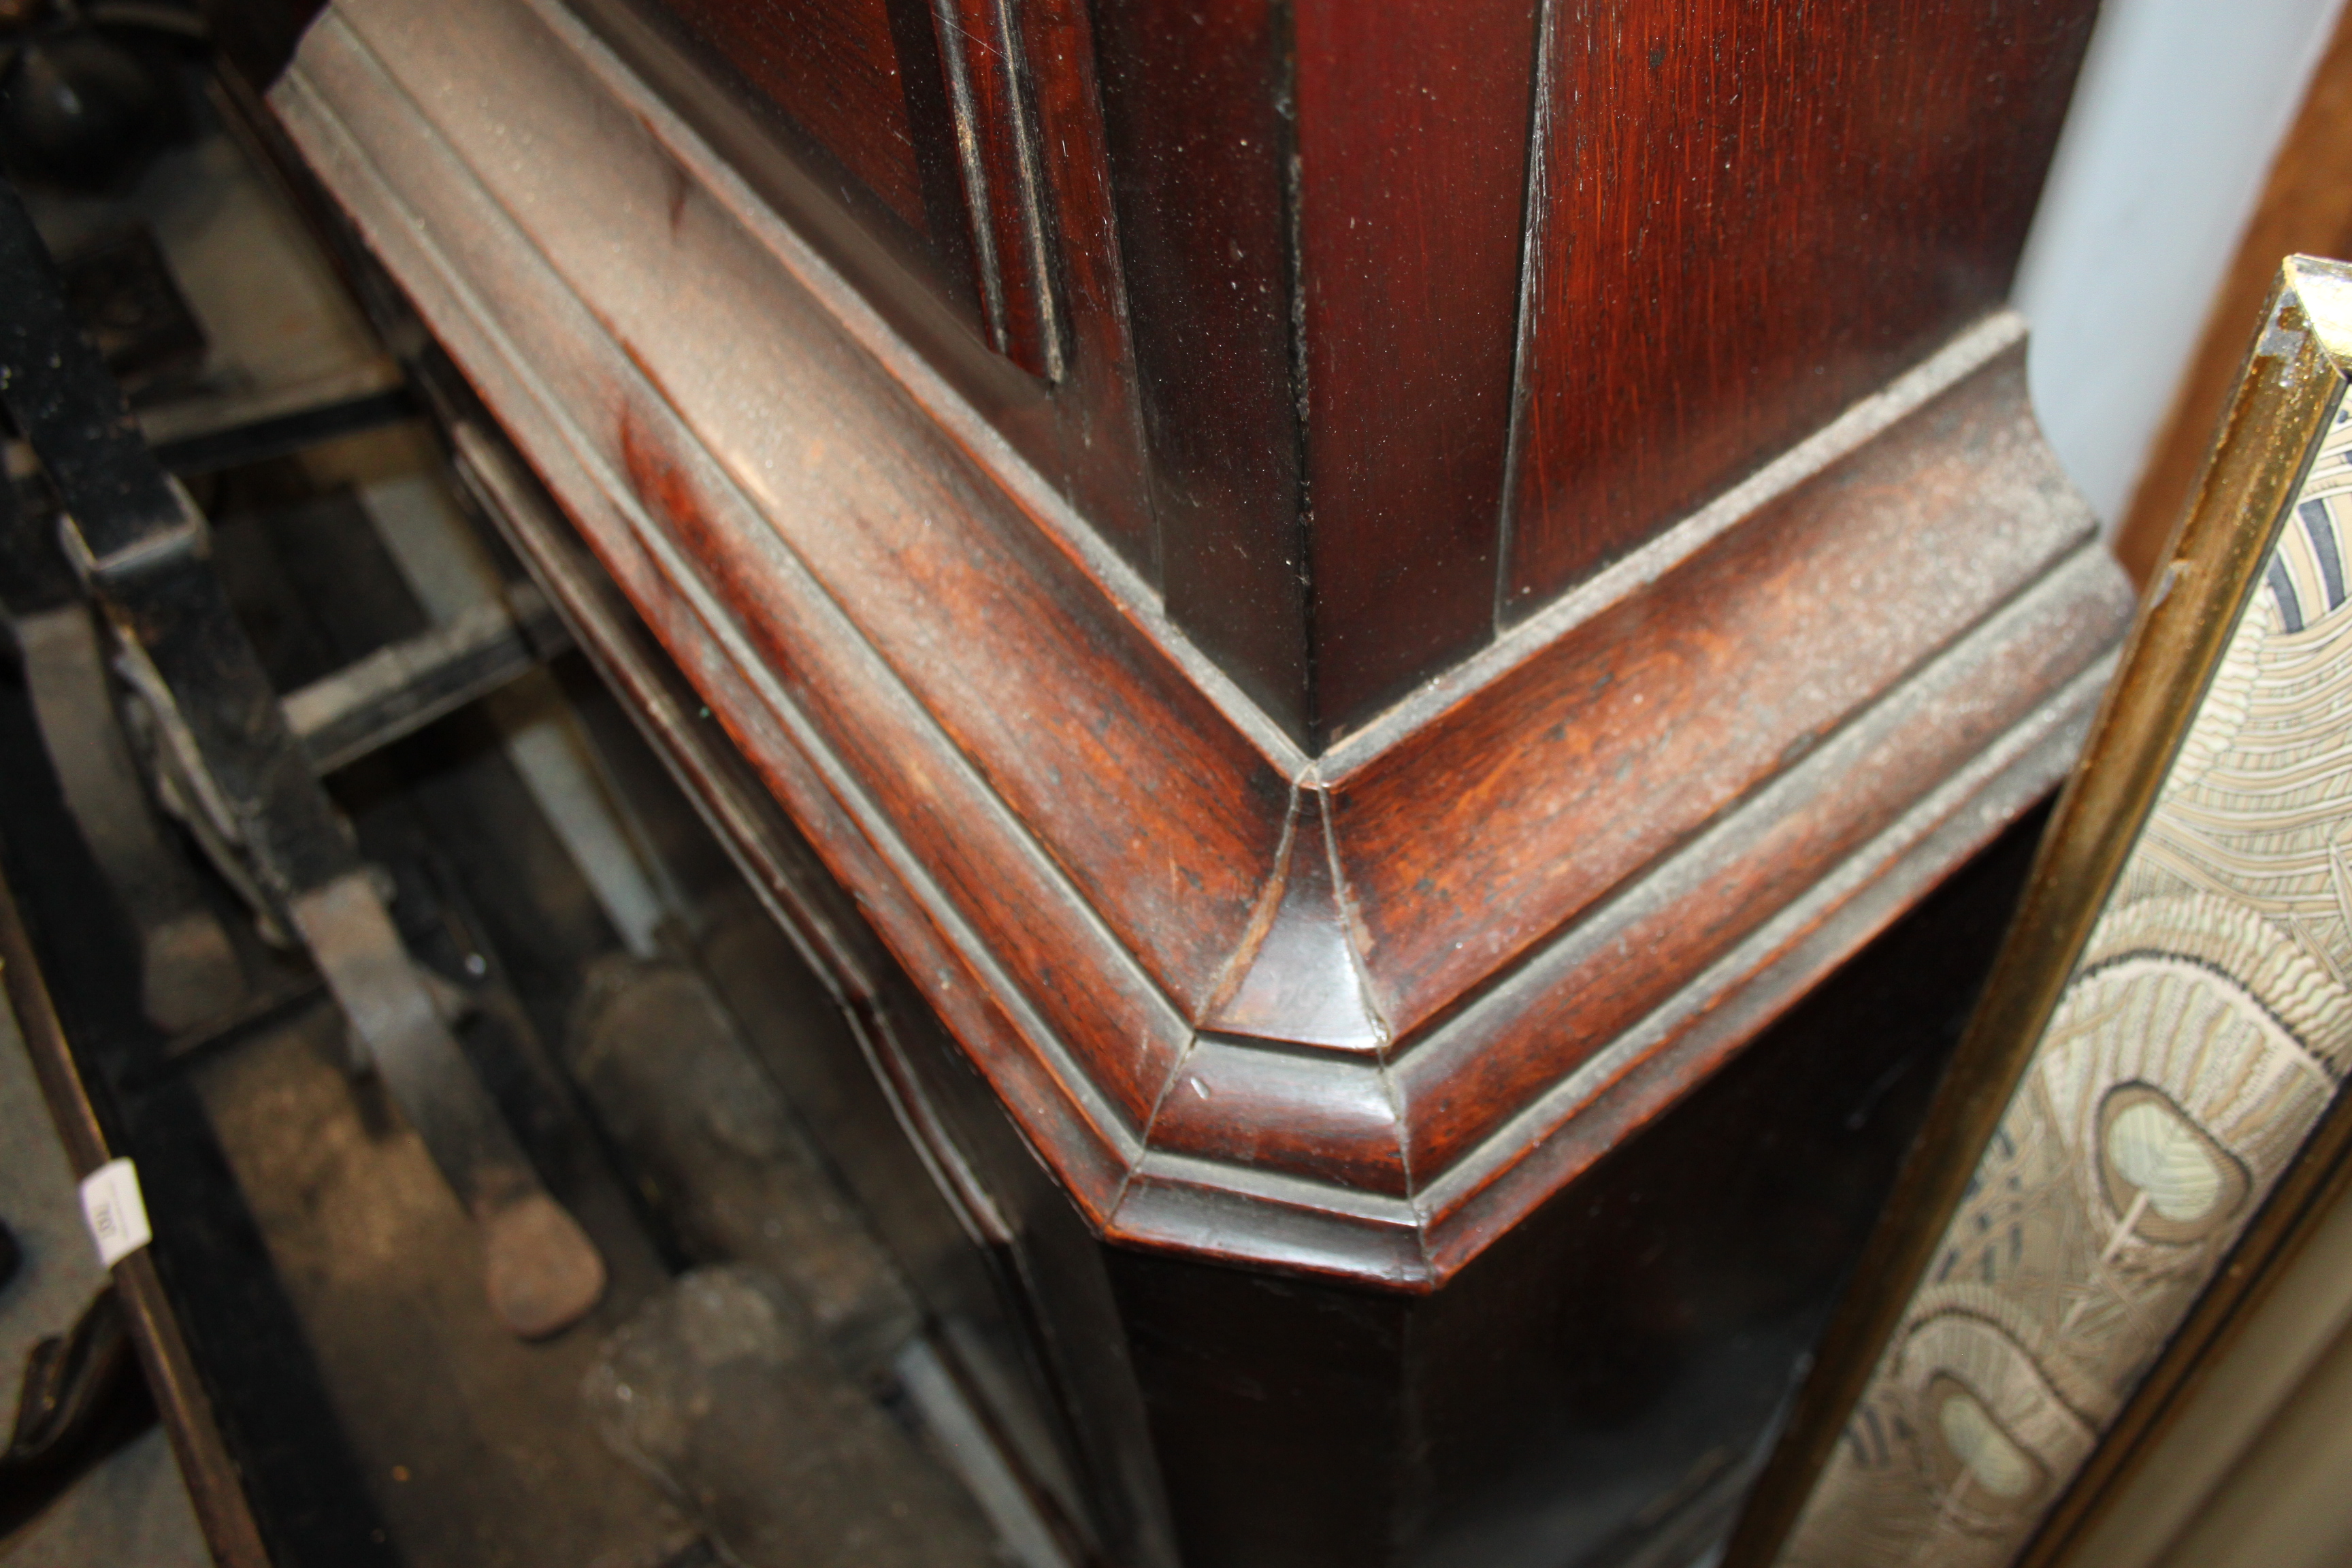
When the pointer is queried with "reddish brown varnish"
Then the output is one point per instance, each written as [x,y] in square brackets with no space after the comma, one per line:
[1337,1015]
[834,68]
[1745,218]
[1275,1001]
[1432,310]
[1412,151]
[955,157]
[995,130]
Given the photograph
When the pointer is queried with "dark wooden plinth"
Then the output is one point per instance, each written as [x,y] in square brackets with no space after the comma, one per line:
[1350,1014]
[1593,1388]
[1383,1086]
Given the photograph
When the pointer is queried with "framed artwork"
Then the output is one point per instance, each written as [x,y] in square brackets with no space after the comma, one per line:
[2148,1097]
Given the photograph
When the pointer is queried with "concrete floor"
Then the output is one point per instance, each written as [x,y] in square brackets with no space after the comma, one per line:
[131,1508]
[474,1445]
[477,1450]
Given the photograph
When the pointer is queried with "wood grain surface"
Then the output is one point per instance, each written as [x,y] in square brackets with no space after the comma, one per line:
[1412,159]
[996,138]
[1428,314]
[1352,1015]
[837,72]
[1744,218]
[1193,97]
[1093,440]
[1030,325]
[1881,554]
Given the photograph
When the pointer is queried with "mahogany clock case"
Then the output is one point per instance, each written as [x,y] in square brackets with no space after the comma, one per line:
[1351,328]
[1353,1012]
[1595,1388]
[1362,607]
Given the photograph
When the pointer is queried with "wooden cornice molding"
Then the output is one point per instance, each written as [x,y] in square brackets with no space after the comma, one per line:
[1352,1013]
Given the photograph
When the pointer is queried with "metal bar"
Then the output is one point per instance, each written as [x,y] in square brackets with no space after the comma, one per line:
[66,404]
[188,969]
[279,435]
[143,550]
[399,689]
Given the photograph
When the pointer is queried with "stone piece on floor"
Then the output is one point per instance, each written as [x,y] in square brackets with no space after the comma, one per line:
[721,1160]
[718,1387]
[471,1439]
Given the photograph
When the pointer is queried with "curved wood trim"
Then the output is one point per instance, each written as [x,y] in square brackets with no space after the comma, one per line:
[1351,1016]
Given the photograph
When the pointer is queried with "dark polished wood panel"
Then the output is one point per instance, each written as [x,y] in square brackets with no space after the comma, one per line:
[1359,339]
[995,137]
[1196,95]
[1033,326]
[853,99]
[1391,337]
[834,67]
[1321,225]
[1412,159]
[1745,217]
[1093,444]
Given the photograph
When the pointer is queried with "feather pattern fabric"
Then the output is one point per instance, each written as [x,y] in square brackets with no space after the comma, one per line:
[2207,1027]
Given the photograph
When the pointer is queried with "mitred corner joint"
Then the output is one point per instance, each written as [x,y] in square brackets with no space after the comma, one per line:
[1353,1014]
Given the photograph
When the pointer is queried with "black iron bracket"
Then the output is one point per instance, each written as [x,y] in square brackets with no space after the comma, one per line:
[142,552]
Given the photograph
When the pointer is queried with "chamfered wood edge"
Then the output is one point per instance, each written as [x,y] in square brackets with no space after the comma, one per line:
[1085,1036]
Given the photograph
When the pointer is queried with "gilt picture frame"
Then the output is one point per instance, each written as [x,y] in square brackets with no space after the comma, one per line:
[2147,1098]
